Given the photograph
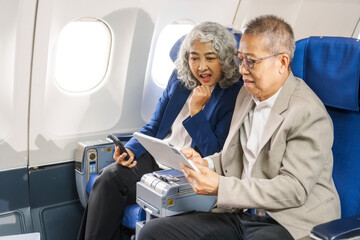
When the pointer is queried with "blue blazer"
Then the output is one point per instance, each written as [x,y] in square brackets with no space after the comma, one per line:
[208,128]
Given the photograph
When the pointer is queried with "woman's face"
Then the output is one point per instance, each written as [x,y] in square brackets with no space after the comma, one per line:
[204,63]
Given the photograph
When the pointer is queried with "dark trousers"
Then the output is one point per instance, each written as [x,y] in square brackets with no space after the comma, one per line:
[211,226]
[112,191]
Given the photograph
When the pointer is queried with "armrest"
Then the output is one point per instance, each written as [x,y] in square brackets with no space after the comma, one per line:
[344,228]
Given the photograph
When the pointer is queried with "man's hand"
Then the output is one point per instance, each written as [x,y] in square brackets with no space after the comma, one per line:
[120,158]
[200,97]
[194,156]
[206,183]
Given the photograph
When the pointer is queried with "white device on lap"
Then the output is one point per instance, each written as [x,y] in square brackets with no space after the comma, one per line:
[164,153]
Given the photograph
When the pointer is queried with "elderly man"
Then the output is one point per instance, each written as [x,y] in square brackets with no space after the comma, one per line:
[273,178]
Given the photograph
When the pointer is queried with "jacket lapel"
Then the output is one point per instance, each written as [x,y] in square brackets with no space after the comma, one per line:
[232,148]
[214,99]
[243,105]
[281,104]
[173,108]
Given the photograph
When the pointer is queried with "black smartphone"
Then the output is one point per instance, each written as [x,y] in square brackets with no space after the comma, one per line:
[119,144]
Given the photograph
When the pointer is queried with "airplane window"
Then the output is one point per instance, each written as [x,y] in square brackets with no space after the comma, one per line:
[82,55]
[162,64]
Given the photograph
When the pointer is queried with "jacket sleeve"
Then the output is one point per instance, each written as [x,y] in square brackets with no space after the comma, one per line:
[210,139]
[152,127]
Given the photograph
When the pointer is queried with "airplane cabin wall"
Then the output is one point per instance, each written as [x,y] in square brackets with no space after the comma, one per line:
[16,34]
[59,120]
[307,17]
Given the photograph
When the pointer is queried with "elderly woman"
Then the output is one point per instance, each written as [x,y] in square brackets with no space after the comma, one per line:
[194,111]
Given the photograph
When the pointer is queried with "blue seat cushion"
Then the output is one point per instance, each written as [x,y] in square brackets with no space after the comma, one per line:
[91,182]
[133,213]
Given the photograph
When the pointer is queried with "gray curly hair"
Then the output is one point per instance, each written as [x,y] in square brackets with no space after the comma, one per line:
[223,44]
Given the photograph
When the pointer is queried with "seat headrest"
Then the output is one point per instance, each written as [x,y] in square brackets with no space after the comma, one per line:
[331,67]
[175,49]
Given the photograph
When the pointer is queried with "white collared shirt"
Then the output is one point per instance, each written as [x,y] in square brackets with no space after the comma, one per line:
[178,136]
[252,131]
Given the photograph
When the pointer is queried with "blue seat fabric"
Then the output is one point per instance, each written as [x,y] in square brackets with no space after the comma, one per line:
[331,67]
[91,182]
[346,150]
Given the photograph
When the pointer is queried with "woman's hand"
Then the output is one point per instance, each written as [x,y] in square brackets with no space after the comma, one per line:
[120,158]
[200,97]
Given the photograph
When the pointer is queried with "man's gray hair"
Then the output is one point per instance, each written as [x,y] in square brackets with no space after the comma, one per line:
[278,34]
[223,44]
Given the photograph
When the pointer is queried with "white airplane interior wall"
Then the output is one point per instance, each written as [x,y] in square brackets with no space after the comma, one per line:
[78,70]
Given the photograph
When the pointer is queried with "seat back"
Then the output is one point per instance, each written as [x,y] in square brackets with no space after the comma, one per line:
[331,67]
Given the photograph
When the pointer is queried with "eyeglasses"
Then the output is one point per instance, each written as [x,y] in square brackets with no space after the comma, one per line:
[250,63]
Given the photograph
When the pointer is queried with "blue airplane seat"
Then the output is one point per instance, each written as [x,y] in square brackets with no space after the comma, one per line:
[174,51]
[297,65]
[331,67]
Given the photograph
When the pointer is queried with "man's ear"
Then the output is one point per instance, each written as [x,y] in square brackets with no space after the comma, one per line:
[284,63]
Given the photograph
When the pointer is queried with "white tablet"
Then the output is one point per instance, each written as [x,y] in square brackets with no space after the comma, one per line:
[164,153]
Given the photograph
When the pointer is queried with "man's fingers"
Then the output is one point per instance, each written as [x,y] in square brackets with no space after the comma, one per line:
[191,176]
[189,152]
[188,171]
[184,169]
[199,166]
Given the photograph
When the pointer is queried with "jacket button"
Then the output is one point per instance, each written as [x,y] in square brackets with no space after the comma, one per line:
[226,171]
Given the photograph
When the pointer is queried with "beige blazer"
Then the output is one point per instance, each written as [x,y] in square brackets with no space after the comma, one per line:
[292,176]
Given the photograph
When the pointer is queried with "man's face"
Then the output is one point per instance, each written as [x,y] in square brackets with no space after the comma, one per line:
[263,80]
[204,63]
